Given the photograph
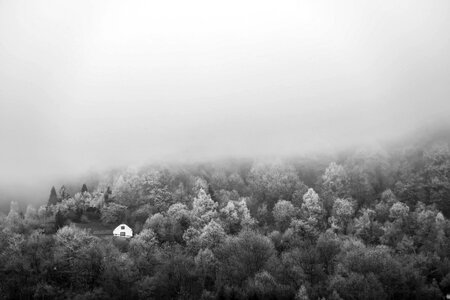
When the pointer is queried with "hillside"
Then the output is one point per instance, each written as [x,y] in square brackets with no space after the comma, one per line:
[370,223]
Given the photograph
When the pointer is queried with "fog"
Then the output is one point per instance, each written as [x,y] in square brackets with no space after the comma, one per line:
[89,85]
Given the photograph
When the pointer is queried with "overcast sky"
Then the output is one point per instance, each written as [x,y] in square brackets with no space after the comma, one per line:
[91,84]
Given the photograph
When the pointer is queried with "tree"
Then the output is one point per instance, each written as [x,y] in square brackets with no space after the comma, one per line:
[78,258]
[31,218]
[178,212]
[367,227]
[206,264]
[120,274]
[175,276]
[302,264]
[312,206]
[235,216]
[328,247]
[192,239]
[14,221]
[155,192]
[371,268]
[265,286]
[302,294]
[270,182]
[382,208]
[60,220]
[398,210]
[84,188]
[342,214]
[437,176]
[180,219]
[53,199]
[63,194]
[204,209]
[243,256]
[107,194]
[301,229]
[14,270]
[113,213]
[357,286]
[143,249]
[126,189]
[212,235]
[161,225]
[143,242]
[283,212]
[428,231]
[335,184]
[369,174]
[312,218]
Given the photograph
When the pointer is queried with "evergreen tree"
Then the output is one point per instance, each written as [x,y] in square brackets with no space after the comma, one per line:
[84,188]
[53,199]
[106,194]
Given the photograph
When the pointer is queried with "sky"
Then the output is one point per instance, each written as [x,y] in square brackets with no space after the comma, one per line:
[88,85]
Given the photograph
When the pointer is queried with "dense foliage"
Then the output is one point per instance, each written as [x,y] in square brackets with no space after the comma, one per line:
[371,224]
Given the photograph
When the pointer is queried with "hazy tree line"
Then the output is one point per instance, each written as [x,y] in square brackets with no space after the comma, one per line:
[370,224]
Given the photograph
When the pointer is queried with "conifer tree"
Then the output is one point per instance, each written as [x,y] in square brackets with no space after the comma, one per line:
[53,199]
[106,194]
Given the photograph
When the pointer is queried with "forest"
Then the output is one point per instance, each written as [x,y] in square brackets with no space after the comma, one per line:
[370,223]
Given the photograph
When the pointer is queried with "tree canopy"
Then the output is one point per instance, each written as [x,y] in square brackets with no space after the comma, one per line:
[367,225]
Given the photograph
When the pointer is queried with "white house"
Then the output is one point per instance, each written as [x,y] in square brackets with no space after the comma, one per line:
[123,230]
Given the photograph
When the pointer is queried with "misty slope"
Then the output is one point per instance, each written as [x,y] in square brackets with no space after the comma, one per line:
[368,223]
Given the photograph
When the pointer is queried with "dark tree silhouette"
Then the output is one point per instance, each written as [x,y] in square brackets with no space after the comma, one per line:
[84,188]
[59,220]
[53,199]
[107,193]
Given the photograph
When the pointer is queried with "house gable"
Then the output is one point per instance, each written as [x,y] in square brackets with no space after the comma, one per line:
[123,230]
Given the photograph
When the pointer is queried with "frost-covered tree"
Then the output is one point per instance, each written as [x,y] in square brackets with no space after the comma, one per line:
[398,210]
[204,209]
[342,214]
[312,206]
[143,243]
[192,239]
[212,235]
[63,194]
[335,184]
[301,294]
[270,182]
[14,221]
[303,229]
[78,257]
[335,180]
[200,184]
[235,216]
[178,212]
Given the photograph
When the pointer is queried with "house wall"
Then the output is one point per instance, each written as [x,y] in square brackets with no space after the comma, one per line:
[127,230]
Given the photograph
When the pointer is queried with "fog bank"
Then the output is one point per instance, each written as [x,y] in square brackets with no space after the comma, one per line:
[88,86]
